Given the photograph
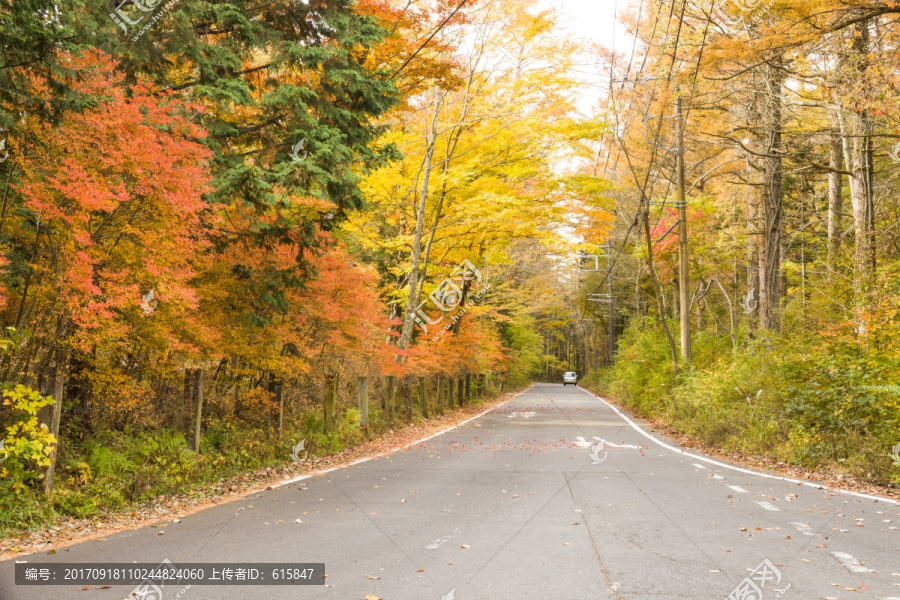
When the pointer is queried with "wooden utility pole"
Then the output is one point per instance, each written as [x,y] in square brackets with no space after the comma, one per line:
[683,280]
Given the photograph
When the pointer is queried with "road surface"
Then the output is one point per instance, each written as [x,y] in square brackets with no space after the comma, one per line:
[527,502]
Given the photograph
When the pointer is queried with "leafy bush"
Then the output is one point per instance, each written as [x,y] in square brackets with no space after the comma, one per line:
[816,400]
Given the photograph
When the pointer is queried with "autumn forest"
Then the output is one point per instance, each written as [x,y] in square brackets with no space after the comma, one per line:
[229,226]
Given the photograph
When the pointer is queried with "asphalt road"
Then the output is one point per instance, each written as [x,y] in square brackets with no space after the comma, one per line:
[513,505]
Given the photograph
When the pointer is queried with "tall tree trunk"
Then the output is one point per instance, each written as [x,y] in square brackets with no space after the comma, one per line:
[771,213]
[835,191]
[859,162]
[412,303]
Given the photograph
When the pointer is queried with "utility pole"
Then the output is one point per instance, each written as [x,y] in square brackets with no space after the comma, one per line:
[612,302]
[683,281]
[607,298]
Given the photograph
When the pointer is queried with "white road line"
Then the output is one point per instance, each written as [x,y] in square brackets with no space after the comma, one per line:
[611,445]
[767,505]
[441,541]
[853,564]
[738,489]
[804,528]
[699,466]
[717,476]
[710,461]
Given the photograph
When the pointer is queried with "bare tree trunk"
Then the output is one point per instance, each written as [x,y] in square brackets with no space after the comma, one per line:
[835,191]
[771,214]
[415,259]
[861,192]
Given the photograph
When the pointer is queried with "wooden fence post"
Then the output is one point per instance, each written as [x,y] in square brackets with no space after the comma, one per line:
[362,385]
[277,389]
[439,395]
[58,375]
[407,385]
[423,399]
[188,408]
[330,397]
[198,409]
[389,400]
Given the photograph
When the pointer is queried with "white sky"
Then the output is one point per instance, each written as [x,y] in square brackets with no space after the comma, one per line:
[594,20]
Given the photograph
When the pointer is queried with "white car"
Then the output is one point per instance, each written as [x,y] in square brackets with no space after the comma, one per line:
[570,377]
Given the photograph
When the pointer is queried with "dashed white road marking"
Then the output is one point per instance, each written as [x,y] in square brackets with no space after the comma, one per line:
[441,541]
[710,461]
[767,505]
[699,466]
[738,489]
[852,563]
[804,528]
[717,476]
[526,415]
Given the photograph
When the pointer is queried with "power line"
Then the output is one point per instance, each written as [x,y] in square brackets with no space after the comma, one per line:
[430,37]
[647,180]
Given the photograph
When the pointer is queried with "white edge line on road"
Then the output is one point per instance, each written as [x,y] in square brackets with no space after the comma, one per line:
[399,448]
[732,467]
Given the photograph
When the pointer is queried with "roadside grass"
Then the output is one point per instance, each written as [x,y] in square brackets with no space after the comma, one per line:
[792,398]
